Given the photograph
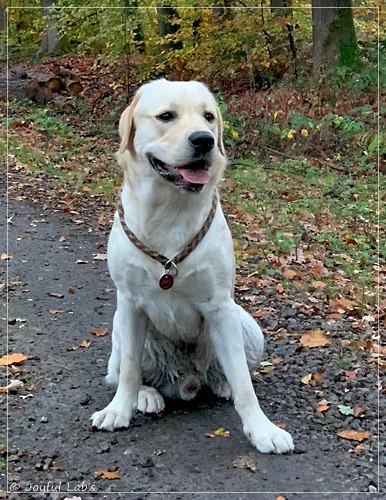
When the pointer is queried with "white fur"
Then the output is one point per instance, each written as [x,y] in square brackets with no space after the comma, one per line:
[194,334]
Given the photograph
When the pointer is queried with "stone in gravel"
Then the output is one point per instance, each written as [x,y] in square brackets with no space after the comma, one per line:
[104,447]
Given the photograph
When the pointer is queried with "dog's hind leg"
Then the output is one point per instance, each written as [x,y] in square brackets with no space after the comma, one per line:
[253,345]
[150,400]
[253,339]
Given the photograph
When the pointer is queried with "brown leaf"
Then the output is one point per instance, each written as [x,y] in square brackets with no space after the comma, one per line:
[341,305]
[357,449]
[323,406]
[289,273]
[314,338]
[106,474]
[5,256]
[244,462]
[306,379]
[99,332]
[54,311]
[12,359]
[358,410]
[85,344]
[260,313]
[353,435]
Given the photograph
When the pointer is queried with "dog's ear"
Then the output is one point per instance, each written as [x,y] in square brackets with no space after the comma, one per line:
[126,126]
[220,141]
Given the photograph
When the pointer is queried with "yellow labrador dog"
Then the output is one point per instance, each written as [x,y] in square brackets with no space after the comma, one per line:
[177,327]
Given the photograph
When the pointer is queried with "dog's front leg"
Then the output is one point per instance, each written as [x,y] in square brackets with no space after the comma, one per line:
[226,333]
[132,325]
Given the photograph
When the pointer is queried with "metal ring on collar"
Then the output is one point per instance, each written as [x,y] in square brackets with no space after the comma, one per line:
[171,267]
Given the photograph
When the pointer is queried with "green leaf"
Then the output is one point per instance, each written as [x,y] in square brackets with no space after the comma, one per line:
[265,363]
[345,410]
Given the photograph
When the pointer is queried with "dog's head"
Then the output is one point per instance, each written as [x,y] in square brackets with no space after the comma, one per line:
[173,130]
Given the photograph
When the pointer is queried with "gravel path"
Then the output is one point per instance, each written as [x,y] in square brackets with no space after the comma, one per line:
[58,292]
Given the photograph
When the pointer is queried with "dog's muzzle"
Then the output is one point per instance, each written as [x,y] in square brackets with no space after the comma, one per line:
[191,177]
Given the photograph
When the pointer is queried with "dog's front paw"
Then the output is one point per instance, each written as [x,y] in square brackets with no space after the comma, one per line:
[110,419]
[268,438]
[150,400]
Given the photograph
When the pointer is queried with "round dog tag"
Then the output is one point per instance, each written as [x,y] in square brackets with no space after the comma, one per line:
[166,281]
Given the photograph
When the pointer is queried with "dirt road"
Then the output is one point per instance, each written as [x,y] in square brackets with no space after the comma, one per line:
[59,292]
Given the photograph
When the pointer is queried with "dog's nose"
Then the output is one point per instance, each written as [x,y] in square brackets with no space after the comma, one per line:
[202,142]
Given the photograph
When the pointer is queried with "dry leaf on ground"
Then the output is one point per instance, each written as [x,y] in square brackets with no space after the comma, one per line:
[99,332]
[323,406]
[353,435]
[314,338]
[13,384]
[12,359]
[106,474]
[245,462]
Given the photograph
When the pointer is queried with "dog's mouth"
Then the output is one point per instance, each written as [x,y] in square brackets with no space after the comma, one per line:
[191,177]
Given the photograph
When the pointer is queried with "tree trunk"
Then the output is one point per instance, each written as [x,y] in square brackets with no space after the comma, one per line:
[333,35]
[281,7]
[3,30]
[131,12]
[50,39]
[166,26]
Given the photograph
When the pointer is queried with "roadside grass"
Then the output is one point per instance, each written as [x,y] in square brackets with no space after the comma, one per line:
[291,216]
[307,228]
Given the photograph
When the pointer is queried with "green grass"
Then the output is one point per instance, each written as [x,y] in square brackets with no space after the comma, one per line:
[299,207]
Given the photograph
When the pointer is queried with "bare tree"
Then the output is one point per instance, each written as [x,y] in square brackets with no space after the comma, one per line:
[3,30]
[50,39]
[333,35]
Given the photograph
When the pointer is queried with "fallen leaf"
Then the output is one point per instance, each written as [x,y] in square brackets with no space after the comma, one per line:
[99,332]
[221,432]
[100,256]
[54,311]
[314,338]
[62,238]
[13,384]
[245,462]
[84,345]
[5,256]
[260,313]
[318,284]
[323,406]
[306,379]
[358,410]
[80,261]
[345,410]
[289,273]
[281,425]
[341,305]
[12,359]
[357,449]
[353,435]
[106,474]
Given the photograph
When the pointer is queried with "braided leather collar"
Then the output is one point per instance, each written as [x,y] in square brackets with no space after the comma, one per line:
[170,265]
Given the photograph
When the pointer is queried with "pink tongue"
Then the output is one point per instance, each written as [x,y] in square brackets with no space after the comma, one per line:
[199,176]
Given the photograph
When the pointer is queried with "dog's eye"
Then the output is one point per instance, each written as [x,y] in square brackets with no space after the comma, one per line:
[209,116]
[168,116]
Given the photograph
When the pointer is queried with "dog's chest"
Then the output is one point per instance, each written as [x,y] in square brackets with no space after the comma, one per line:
[175,321]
